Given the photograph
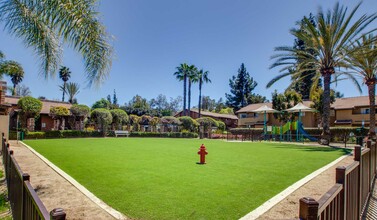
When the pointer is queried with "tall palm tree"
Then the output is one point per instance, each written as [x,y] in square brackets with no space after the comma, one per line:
[44,24]
[328,40]
[64,74]
[192,78]
[14,70]
[362,58]
[72,89]
[202,77]
[182,74]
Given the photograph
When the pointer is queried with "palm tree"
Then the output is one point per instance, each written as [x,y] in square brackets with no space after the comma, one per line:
[72,90]
[328,40]
[64,74]
[362,58]
[14,70]
[44,24]
[202,77]
[192,77]
[181,74]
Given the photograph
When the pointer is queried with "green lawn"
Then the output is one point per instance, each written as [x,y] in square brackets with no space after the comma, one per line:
[159,178]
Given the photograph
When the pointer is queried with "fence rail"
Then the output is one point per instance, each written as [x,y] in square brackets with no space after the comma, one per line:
[348,198]
[24,201]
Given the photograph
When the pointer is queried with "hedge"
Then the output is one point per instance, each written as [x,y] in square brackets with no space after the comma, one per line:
[74,133]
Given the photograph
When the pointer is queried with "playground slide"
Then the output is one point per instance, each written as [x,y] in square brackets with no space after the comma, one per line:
[306,135]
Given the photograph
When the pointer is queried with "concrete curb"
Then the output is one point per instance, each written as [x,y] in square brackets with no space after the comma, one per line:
[80,187]
[279,197]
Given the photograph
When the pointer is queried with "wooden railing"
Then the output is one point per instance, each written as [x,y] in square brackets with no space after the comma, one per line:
[347,199]
[24,201]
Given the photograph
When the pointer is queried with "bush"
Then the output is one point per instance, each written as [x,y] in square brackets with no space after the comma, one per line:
[61,134]
[165,135]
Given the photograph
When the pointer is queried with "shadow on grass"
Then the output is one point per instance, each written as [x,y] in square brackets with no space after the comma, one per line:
[315,149]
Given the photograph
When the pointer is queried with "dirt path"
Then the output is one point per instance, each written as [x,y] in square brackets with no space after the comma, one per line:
[54,190]
[288,208]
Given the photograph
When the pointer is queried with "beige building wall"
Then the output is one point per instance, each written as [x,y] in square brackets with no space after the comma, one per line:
[4,125]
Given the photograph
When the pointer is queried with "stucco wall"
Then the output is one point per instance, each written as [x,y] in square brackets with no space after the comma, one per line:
[4,125]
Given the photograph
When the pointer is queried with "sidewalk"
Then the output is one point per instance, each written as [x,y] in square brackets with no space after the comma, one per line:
[54,190]
[371,210]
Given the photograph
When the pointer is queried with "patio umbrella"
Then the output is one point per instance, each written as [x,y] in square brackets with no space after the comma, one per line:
[265,109]
[299,108]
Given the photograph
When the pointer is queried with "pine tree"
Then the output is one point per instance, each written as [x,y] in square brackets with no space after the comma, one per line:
[241,87]
[115,99]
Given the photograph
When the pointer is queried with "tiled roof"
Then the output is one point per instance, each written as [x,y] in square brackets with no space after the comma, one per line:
[47,104]
[340,103]
[216,115]
[351,102]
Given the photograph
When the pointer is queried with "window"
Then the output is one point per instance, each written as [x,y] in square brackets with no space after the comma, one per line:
[43,125]
[256,115]
[243,115]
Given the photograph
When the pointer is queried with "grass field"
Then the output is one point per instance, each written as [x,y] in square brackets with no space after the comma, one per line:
[159,178]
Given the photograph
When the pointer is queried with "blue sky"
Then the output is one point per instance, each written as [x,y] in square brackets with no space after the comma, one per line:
[151,38]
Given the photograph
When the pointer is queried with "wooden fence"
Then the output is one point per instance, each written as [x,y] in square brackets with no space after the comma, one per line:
[23,199]
[347,199]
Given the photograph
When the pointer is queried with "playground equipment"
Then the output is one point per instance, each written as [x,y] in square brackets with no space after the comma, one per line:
[286,131]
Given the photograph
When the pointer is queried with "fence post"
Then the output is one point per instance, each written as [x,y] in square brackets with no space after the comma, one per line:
[308,209]
[340,178]
[358,157]
[25,177]
[57,214]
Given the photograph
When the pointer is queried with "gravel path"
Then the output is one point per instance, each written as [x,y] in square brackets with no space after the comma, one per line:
[53,189]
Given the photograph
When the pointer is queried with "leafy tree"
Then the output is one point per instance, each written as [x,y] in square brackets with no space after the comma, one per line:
[134,121]
[362,59]
[59,21]
[188,123]
[120,118]
[208,104]
[64,74]
[241,87]
[160,102]
[317,99]
[256,98]
[175,104]
[207,123]
[102,117]
[221,126]
[14,70]
[59,112]
[102,103]
[79,114]
[137,106]
[182,73]
[328,40]
[285,101]
[115,99]
[30,108]
[201,77]
[23,90]
[72,89]
[220,104]
[227,110]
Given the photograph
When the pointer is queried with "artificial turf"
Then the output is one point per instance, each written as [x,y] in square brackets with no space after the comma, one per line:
[160,179]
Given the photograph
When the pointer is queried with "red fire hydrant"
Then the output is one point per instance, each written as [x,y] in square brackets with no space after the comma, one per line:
[202,152]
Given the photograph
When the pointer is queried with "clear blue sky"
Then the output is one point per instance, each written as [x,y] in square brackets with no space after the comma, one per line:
[154,37]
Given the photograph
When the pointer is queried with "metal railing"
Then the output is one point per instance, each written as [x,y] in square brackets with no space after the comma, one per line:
[24,201]
[348,198]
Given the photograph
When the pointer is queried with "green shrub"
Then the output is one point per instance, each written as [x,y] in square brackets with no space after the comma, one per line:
[35,135]
[165,135]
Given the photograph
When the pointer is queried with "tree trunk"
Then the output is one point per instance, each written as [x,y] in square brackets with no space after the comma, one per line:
[189,98]
[63,91]
[372,111]
[184,94]
[326,73]
[200,96]
[14,90]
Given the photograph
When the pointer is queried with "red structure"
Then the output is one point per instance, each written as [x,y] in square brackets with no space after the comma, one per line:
[202,152]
